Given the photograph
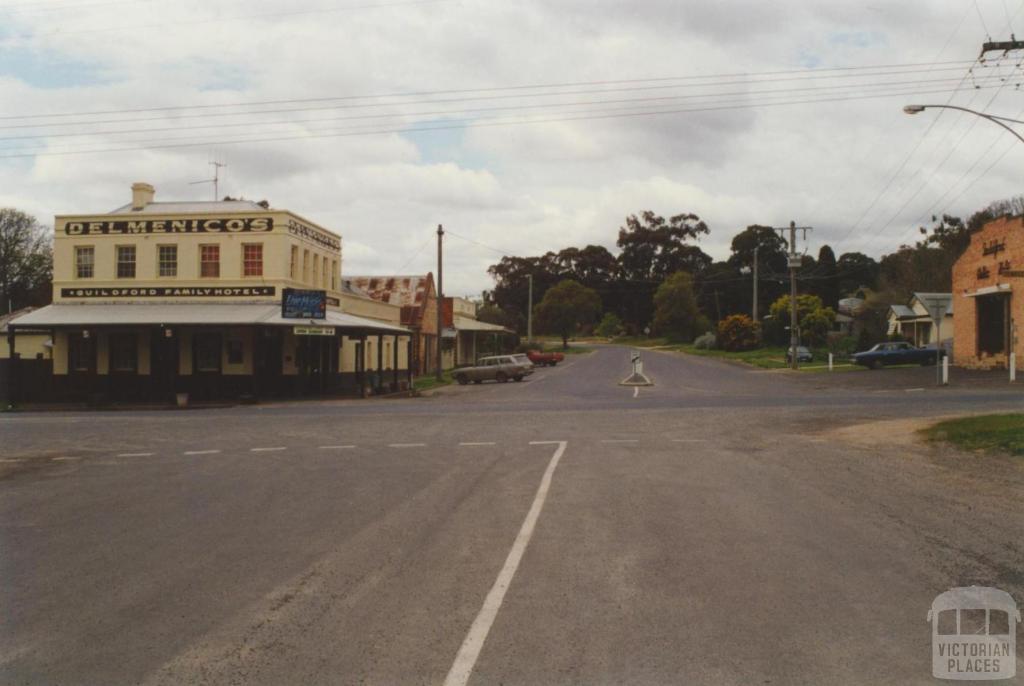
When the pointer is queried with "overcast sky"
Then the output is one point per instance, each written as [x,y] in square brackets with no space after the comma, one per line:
[697,137]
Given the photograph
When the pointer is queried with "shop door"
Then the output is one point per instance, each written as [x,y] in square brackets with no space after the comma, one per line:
[268,364]
[163,364]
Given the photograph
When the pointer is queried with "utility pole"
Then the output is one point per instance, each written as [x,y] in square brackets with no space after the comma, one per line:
[440,301]
[756,248]
[529,311]
[794,264]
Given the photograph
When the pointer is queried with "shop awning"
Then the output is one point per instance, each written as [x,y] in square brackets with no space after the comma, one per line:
[990,290]
[193,314]
[467,324]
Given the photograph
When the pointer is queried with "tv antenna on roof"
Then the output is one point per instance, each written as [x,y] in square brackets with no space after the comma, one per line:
[215,180]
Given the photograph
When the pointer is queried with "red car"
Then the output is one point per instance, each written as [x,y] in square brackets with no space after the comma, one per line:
[544,359]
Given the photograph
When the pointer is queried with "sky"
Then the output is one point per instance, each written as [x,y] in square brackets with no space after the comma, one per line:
[523,126]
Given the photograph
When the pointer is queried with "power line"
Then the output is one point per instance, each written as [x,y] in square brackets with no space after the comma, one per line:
[798,74]
[434,113]
[460,126]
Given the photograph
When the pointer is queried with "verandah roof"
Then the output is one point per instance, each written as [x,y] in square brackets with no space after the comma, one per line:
[155,314]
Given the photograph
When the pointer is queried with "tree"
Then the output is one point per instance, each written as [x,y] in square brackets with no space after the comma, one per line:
[654,248]
[26,261]
[814,320]
[855,271]
[610,326]
[826,280]
[675,308]
[566,307]
[738,332]
[511,287]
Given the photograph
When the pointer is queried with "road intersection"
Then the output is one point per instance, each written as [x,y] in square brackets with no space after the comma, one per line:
[713,529]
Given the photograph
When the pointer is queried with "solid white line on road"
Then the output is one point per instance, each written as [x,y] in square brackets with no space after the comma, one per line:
[621,440]
[200,452]
[481,443]
[336,447]
[636,391]
[461,669]
[134,454]
[407,445]
[267,450]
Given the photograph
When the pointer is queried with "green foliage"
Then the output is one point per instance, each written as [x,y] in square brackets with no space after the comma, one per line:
[738,332]
[704,341]
[814,321]
[675,308]
[565,308]
[610,326]
[26,260]
[987,432]
[842,346]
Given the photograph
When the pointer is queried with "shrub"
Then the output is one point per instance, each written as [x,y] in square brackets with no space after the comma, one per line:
[738,332]
[610,326]
[705,341]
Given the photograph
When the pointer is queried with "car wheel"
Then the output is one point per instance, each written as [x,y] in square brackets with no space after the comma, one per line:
[500,377]
[877,364]
[478,380]
[518,377]
[462,379]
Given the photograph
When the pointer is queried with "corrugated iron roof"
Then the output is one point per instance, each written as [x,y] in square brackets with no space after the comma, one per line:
[193,207]
[406,291]
[227,314]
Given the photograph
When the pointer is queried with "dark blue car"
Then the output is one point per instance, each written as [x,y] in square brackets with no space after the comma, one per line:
[896,353]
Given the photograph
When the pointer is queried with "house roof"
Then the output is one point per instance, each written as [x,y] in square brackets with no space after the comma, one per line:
[902,311]
[405,291]
[193,207]
[946,299]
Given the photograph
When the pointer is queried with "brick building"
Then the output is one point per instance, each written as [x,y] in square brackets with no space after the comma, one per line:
[988,294]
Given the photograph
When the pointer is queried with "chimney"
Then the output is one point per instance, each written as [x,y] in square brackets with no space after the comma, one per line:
[142,195]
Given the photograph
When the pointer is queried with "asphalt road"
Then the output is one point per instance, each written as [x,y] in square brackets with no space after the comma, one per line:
[723,526]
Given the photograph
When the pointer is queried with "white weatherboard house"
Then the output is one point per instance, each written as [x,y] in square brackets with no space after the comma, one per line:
[914,322]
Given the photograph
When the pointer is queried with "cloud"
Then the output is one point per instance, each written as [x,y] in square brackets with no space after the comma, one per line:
[345,87]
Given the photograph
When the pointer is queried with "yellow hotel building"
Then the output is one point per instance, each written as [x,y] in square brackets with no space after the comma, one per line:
[158,299]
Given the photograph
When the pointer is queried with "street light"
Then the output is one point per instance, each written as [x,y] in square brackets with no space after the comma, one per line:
[917,109]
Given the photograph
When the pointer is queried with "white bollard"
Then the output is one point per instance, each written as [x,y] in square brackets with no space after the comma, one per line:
[1013,367]
[945,371]
[830,361]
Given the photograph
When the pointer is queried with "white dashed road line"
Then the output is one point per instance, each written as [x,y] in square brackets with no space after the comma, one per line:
[336,447]
[462,668]
[200,452]
[66,458]
[479,443]
[407,445]
[274,449]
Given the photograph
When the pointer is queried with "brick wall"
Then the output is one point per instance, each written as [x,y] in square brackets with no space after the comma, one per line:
[976,270]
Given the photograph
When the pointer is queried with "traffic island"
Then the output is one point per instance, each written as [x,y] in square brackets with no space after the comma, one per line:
[637,378]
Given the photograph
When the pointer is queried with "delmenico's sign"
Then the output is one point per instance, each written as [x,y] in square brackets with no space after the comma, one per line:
[210,225]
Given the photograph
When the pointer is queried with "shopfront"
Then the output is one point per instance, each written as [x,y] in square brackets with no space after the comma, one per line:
[158,300]
[988,288]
